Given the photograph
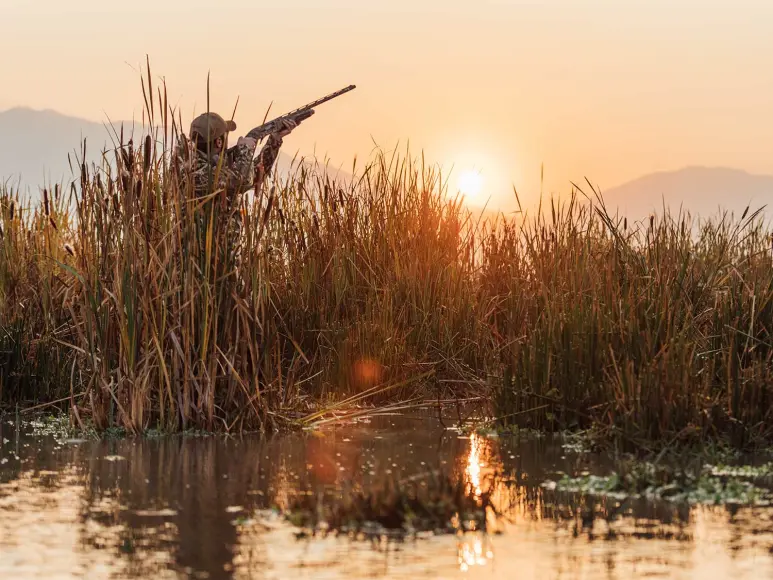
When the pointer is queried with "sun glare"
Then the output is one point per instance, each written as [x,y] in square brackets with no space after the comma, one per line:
[471,185]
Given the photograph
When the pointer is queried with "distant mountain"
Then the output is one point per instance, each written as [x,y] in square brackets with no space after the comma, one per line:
[34,146]
[704,192]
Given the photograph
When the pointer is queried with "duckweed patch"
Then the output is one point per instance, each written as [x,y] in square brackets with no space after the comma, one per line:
[711,485]
[56,426]
[61,429]
[753,472]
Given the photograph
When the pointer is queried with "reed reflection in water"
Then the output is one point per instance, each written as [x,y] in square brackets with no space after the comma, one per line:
[180,507]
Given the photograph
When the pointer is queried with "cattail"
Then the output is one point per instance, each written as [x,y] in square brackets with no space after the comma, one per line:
[146,151]
[69,250]
[268,207]
[125,182]
[84,177]
[11,210]
[56,192]
[45,201]
[128,158]
[53,223]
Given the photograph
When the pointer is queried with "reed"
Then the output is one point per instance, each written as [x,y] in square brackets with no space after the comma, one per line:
[661,332]
[122,292]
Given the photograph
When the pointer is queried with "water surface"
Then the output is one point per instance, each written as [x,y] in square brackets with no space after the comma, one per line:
[195,508]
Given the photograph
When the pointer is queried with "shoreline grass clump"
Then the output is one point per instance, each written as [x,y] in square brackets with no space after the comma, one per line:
[153,320]
[122,300]
[661,332]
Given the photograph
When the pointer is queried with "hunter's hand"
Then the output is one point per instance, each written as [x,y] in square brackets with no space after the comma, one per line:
[249,141]
[286,128]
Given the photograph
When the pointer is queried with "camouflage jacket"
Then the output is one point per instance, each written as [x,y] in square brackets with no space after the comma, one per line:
[235,175]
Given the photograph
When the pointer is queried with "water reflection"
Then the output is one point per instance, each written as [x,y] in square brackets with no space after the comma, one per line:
[474,464]
[194,508]
[475,549]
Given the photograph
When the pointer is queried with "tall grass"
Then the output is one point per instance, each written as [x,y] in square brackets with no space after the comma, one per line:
[661,331]
[122,294]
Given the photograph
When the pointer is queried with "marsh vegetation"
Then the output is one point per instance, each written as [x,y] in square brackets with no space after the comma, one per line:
[121,299]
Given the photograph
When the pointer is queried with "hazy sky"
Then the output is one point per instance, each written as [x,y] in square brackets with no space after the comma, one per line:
[608,89]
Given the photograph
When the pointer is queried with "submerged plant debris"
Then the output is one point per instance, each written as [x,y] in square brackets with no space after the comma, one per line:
[433,503]
[711,485]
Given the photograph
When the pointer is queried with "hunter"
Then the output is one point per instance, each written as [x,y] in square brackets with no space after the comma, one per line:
[238,172]
[204,156]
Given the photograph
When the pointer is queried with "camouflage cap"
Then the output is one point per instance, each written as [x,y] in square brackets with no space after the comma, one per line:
[211,125]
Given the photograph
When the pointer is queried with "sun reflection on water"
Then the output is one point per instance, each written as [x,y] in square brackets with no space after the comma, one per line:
[474,550]
[474,464]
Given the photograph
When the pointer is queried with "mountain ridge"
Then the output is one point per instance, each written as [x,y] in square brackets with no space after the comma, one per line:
[702,190]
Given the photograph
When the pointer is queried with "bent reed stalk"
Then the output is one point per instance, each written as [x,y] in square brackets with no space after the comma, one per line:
[125,296]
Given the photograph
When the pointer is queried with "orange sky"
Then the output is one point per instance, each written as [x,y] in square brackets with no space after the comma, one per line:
[604,89]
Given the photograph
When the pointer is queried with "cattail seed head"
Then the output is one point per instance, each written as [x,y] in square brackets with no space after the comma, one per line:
[125,182]
[45,201]
[146,152]
[270,203]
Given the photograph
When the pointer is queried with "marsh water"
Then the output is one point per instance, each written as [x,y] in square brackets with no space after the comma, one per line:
[200,507]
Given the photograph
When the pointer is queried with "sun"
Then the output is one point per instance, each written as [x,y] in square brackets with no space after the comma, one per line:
[470,184]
